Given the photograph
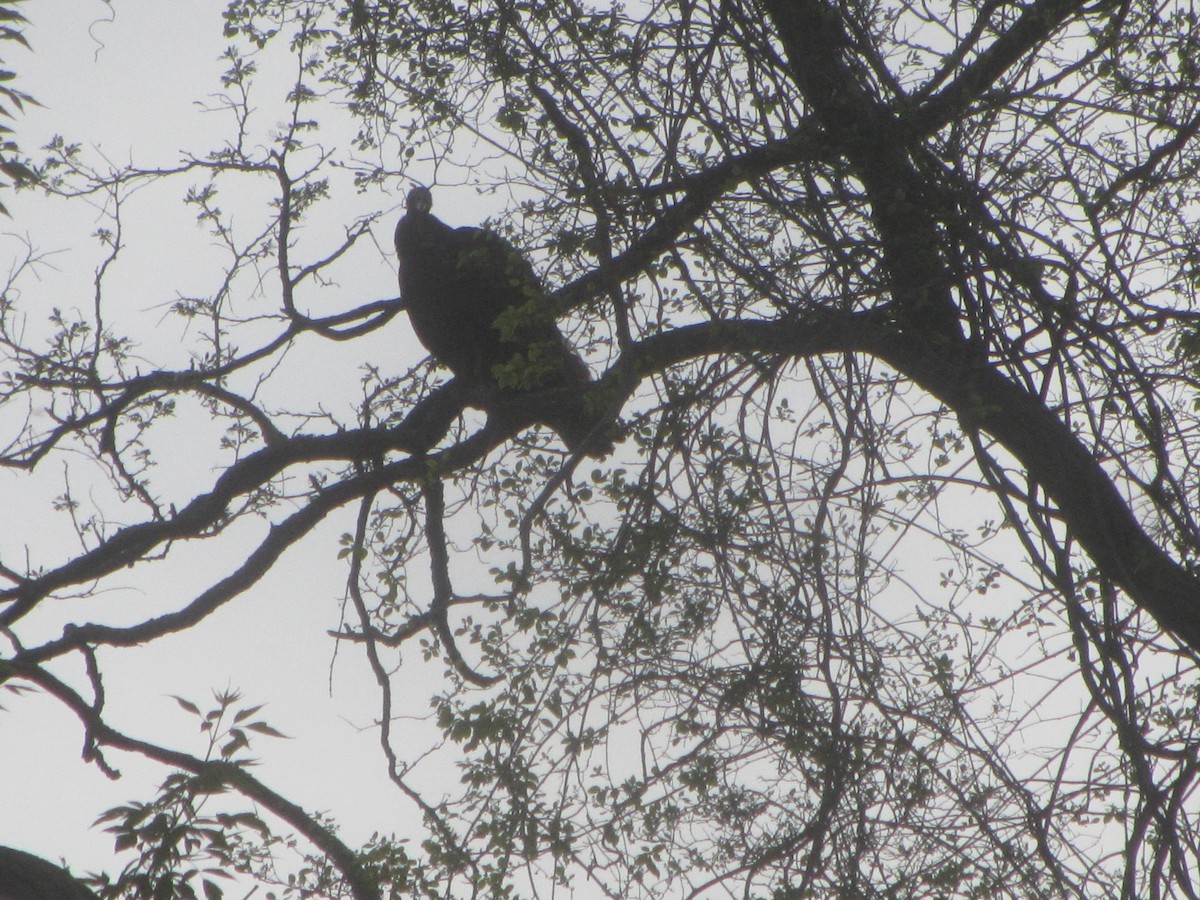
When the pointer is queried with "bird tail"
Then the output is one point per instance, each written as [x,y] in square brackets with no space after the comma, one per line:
[580,422]
[581,428]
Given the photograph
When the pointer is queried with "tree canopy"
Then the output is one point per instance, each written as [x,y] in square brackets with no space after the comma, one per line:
[889,586]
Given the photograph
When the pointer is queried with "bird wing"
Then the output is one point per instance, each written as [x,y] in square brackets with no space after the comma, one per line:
[500,274]
[442,297]
[478,307]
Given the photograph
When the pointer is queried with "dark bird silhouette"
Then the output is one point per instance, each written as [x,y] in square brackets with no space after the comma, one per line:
[24,876]
[478,307]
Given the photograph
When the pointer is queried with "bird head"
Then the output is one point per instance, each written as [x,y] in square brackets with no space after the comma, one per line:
[420,201]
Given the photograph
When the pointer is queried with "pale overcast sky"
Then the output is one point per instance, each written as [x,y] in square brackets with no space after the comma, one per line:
[127,81]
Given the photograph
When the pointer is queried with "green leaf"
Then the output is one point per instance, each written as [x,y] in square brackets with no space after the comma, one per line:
[264,728]
[186,704]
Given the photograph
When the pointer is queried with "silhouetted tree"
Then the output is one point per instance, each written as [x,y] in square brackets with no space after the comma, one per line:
[889,588]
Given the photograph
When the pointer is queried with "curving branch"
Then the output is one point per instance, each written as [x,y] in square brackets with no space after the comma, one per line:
[443,590]
[1088,501]
[1086,496]
[700,191]
[926,342]
[215,774]
[820,332]
[424,426]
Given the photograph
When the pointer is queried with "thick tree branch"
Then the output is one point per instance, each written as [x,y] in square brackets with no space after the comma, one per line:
[700,192]
[257,564]
[859,126]
[929,347]
[821,331]
[1033,26]
[420,430]
[1090,503]
[1085,494]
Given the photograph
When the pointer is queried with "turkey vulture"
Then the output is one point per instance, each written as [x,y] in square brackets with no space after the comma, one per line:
[477,306]
[24,876]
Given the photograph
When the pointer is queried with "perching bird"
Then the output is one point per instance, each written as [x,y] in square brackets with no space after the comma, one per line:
[477,306]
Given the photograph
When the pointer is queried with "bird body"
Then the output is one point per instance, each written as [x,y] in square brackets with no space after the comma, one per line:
[476,304]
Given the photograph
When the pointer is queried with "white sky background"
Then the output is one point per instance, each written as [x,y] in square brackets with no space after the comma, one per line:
[124,80]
